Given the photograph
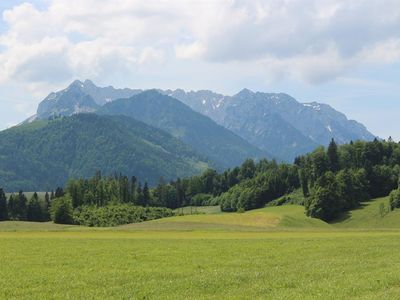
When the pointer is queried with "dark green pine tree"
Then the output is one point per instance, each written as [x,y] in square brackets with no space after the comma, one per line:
[124,189]
[3,206]
[11,207]
[46,207]
[304,183]
[59,192]
[34,210]
[133,189]
[20,207]
[180,199]
[333,156]
[139,195]
[146,194]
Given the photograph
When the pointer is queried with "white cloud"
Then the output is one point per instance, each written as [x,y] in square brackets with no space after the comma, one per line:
[192,50]
[311,40]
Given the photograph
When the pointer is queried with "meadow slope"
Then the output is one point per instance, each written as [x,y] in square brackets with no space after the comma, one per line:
[269,253]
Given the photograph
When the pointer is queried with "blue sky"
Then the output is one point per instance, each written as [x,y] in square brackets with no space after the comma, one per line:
[343,53]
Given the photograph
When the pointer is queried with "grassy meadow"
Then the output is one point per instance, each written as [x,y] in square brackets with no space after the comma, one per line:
[269,253]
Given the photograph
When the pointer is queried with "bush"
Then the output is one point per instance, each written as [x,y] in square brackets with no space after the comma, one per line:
[62,211]
[394,199]
[114,215]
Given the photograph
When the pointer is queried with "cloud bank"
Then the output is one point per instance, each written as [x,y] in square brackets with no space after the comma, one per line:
[310,40]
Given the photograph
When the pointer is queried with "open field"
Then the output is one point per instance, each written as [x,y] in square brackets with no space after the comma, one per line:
[270,253]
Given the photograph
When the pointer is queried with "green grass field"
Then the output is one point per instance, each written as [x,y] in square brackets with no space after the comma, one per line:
[270,253]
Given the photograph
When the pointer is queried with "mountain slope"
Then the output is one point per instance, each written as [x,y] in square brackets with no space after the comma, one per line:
[44,154]
[274,122]
[294,128]
[79,97]
[66,102]
[253,119]
[208,138]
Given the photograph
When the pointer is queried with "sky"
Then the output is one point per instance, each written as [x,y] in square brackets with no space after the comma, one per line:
[343,53]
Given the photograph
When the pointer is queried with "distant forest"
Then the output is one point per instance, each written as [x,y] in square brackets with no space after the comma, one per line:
[331,181]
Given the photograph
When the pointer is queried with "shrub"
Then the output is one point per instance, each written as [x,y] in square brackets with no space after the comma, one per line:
[394,199]
[114,215]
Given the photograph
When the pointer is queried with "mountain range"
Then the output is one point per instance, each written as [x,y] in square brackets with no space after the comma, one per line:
[275,123]
[161,133]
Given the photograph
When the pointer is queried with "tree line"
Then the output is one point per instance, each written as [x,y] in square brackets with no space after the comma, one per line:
[332,180]
[19,208]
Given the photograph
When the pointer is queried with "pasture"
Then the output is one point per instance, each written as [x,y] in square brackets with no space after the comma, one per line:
[271,253]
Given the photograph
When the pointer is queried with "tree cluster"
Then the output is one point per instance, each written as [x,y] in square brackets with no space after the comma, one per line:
[340,177]
[18,208]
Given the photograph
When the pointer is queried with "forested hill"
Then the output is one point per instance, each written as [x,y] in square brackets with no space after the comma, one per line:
[217,143]
[44,154]
[332,180]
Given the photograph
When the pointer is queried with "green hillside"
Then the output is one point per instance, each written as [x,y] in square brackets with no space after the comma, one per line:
[285,217]
[42,156]
[269,218]
[274,218]
[217,143]
[372,214]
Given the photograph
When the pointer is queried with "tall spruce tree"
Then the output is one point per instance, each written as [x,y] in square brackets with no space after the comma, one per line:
[46,207]
[146,194]
[34,210]
[11,207]
[3,206]
[304,183]
[133,189]
[333,156]
[139,195]
[20,209]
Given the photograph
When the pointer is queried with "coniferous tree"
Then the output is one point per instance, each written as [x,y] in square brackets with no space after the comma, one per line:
[11,207]
[59,192]
[133,189]
[247,169]
[179,194]
[139,195]
[333,156]
[3,206]
[146,194]
[304,183]
[34,210]
[124,189]
[46,207]
[20,208]
[159,193]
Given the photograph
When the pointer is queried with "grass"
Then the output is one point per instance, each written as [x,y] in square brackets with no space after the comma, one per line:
[264,219]
[369,216]
[269,253]
[199,265]
[8,226]
[189,210]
